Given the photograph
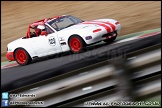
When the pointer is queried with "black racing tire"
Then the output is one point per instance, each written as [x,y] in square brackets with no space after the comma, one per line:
[22,57]
[110,40]
[76,44]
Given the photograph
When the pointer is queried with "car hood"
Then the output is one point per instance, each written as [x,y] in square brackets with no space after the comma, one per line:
[107,25]
[83,26]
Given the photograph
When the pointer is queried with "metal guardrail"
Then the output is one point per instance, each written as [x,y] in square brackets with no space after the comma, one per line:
[130,77]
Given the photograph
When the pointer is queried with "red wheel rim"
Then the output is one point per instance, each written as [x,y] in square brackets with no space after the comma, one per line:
[21,56]
[75,44]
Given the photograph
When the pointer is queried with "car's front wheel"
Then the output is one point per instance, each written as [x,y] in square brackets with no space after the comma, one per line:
[76,44]
[110,40]
[22,57]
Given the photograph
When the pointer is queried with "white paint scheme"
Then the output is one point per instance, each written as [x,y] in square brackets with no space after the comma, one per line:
[39,46]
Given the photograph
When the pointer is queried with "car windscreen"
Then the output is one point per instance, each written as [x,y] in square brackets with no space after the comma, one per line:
[64,22]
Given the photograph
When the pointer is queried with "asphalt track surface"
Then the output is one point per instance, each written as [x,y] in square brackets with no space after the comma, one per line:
[12,74]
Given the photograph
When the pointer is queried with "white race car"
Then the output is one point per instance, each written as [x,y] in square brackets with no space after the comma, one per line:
[59,34]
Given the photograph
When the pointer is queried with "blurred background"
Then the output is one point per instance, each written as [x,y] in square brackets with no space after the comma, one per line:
[134,16]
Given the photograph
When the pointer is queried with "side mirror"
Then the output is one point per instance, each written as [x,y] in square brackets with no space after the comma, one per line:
[44,33]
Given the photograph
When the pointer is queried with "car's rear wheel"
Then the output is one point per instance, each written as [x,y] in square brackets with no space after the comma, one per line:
[76,44]
[22,57]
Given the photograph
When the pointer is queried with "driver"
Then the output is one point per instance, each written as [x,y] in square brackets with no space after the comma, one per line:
[39,29]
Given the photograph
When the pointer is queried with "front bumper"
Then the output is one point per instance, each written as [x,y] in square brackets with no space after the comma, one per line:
[100,36]
[109,35]
[10,56]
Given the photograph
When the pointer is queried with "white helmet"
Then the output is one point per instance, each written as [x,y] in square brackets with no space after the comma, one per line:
[41,27]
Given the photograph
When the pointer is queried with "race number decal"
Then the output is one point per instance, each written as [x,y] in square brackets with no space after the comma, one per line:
[52,41]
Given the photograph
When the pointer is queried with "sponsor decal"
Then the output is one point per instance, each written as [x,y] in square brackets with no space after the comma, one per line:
[88,37]
[61,39]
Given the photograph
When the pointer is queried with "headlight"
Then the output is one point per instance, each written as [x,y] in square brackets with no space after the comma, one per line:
[117,23]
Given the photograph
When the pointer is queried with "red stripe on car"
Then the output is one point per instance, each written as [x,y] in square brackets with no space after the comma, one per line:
[103,25]
[112,25]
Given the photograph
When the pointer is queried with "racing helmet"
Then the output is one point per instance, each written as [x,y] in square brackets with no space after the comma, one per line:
[40,27]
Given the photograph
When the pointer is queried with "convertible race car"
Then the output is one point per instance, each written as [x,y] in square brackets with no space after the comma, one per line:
[59,34]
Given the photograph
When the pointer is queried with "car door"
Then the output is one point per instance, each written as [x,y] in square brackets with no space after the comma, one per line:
[46,44]
[53,43]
